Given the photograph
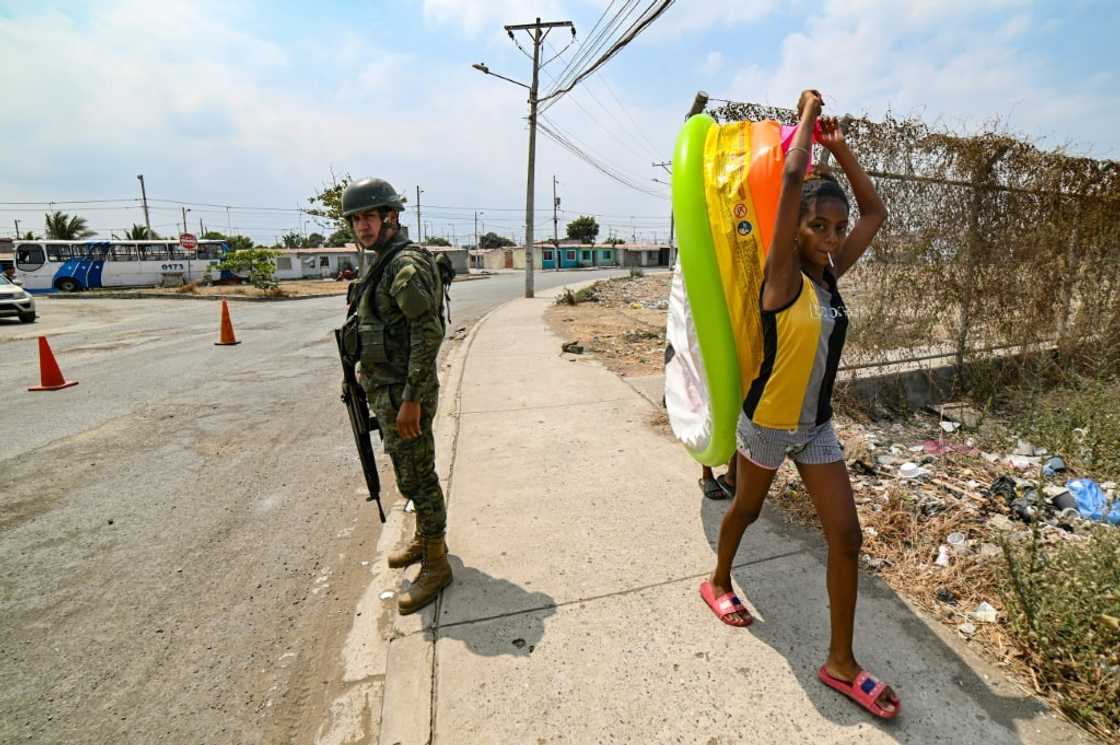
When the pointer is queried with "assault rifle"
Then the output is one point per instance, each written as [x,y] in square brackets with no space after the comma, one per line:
[362,422]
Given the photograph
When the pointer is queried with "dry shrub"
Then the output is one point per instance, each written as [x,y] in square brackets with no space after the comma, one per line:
[990,243]
[190,288]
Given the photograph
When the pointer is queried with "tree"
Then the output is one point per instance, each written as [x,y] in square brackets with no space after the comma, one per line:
[584,229]
[292,240]
[235,242]
[29,237]
[141,233]
[341,237]
[259,262]
[493,240]
[613,241]
[329,201]
[63,227]
[435,240]
[315,240]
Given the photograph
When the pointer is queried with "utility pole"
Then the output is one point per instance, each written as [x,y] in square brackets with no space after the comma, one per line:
[419,225]
[184,218]
[144,199]
[555,224]
[698,104]
[538,32]
[476,246]
[201,230]
[229,225]
[18,236]
[666,164]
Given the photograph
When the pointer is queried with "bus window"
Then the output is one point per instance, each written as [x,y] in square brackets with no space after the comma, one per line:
[56,252]
[30,257]
[124,252]
[153,252]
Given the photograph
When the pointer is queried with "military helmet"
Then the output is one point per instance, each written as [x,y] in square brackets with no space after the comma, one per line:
[368,194]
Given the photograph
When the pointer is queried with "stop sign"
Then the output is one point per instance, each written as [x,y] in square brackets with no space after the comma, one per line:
[188,242]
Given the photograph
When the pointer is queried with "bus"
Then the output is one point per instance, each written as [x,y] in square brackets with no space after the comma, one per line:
[71,266]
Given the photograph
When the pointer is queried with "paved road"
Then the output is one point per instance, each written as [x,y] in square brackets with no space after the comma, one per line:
[181,546]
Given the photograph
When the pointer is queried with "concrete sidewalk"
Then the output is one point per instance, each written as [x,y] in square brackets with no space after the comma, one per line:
[579,539]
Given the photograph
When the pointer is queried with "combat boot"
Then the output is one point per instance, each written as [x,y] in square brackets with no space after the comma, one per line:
[435,574]
[410,554]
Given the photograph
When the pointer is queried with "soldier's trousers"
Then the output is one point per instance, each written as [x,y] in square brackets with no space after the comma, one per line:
[413,460]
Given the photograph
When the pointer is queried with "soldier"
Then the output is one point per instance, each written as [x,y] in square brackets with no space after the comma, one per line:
[401,327]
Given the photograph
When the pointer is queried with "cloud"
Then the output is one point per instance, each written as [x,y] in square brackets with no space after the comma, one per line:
[475,16]
[223,120]
[713,63]
[945,62]
[689,18]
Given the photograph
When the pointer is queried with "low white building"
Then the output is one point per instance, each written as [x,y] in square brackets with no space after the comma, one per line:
[314,263]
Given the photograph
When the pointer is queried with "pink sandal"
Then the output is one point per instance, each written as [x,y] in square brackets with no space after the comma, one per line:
[864,690]
[725,605]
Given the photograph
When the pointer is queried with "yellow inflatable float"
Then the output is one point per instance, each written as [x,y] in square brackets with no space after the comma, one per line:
[726,183]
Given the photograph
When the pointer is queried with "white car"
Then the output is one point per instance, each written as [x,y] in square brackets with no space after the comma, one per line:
[14,301]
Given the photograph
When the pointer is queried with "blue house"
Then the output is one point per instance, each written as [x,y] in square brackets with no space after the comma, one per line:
[577,255]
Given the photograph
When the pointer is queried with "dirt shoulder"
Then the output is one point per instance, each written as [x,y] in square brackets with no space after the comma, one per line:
[621,321]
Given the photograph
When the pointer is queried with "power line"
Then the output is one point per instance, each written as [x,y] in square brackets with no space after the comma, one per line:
[651,14]
[599,33]
[605,169]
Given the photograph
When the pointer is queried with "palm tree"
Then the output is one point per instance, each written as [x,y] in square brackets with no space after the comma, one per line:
[61,226]
[141,233]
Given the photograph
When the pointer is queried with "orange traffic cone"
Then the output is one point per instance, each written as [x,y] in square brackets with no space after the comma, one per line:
[50,377]
[228,339]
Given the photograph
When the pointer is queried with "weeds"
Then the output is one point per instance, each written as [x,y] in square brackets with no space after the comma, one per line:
[586,295]
[1063,605]
[1080,420]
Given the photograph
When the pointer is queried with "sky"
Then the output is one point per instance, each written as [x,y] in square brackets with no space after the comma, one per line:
[254,105]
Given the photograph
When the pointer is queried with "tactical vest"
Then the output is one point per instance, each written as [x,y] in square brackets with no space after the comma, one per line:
[383,329]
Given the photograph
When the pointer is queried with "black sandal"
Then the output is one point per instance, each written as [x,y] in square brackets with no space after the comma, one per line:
[727,487]
[712,489]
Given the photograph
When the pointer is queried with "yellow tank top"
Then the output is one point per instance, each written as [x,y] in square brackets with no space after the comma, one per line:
[801,345]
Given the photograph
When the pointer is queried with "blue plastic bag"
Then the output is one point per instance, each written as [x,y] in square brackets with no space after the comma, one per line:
[1092,502]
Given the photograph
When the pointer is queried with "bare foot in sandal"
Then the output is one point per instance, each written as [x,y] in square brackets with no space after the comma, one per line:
[855,683]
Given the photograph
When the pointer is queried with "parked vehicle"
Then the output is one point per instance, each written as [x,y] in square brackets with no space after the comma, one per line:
[15,301]
[68,266]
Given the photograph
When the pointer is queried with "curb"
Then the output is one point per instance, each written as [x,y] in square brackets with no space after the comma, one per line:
[185,296]
[406,703]
[188,296]
[406,706]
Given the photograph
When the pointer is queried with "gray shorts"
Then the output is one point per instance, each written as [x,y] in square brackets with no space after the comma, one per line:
[768,448]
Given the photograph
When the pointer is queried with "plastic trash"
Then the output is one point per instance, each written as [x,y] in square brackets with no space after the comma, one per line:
[1004,487]
[1053,466]
[942,556]
[985,613]
[910,470]
[1092,502]
[967,629]
[958,542]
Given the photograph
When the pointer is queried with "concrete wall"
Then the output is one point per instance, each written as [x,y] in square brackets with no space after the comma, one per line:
[459,258]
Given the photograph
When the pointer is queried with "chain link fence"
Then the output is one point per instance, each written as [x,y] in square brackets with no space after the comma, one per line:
[993,250]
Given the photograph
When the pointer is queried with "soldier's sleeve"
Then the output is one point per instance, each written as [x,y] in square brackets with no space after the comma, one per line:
[416,294]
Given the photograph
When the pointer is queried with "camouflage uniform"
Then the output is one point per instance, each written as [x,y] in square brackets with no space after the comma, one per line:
[401,327]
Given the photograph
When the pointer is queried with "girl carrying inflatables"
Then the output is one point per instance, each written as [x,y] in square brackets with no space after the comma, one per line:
[787,410]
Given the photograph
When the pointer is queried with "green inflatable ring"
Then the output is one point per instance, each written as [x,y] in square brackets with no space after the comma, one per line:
[705,291]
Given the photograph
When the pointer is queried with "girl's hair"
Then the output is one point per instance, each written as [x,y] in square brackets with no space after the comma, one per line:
[821,184]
